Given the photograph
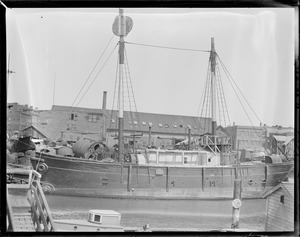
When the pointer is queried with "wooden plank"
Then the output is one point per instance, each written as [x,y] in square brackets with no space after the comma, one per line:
[203,178]
[19,201]
[129,178]
[41,211]
[23,222]
[47,208]
[167,179]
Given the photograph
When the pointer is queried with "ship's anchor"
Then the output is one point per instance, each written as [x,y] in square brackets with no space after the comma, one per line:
[48,188]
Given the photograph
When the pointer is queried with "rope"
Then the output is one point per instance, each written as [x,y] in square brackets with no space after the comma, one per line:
[165,47]
[131,90]
[227,73]
[238,88]
[72,109]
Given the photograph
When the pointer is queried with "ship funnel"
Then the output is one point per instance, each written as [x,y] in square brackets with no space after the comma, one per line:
[104,100]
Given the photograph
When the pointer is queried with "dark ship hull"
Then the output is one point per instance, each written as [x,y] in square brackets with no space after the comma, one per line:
[80,177]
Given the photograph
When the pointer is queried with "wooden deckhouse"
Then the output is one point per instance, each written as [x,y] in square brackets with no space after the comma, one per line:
[280,207]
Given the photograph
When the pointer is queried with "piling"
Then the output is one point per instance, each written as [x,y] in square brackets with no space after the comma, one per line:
[236,203]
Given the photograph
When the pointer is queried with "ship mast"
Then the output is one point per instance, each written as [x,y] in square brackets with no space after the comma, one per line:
[213,86]
[121,27]
[120,91]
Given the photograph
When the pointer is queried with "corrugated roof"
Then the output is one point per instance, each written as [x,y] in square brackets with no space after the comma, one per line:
[162,123]
[280,138]
[246,127]
[71,109]
[39,129]
[139,121]
[276,130]
[288,187]
[288,140]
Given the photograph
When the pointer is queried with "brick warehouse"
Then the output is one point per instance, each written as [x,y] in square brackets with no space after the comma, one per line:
[100,124]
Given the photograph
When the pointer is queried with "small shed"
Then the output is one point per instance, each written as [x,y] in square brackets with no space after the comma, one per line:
[280,207]
[36,132]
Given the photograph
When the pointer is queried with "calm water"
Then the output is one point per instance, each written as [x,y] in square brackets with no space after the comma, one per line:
[206,215]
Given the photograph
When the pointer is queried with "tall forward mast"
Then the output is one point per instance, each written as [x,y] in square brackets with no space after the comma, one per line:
[121,27]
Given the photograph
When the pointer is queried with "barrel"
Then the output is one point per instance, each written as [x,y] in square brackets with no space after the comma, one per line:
[86,148]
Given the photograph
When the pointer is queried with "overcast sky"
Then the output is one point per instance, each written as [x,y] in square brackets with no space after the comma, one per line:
[63,45]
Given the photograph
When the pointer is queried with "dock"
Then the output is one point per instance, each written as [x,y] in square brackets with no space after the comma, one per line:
[27,208]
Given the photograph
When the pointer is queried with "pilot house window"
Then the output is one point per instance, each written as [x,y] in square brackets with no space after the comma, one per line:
[97,218]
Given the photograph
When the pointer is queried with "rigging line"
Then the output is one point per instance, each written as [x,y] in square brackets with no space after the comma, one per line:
[223,100]
[74,108]
[132,91]
[208,106]
[219,98]
[238,98]
[94,79]
[96,75]
[217,91]
[208,100]
[205,91]
[85,82]
[202,99]
[113,104]
[255,130]
[127,89]
[205,97]
[116,85]
[239,89]
[165,47]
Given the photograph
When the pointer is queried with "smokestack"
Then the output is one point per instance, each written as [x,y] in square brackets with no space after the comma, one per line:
[104,100]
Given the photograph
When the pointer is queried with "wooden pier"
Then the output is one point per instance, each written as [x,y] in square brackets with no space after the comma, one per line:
[27,208]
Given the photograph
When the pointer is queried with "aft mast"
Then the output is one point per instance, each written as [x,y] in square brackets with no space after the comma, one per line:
[213,98]
[213,86]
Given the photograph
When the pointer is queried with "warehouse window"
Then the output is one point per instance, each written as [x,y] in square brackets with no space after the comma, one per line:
[73,116]
[282,198]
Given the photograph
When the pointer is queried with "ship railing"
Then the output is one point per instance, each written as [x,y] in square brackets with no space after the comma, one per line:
[9,211]
[41,214]
[210,142]
[214,142]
